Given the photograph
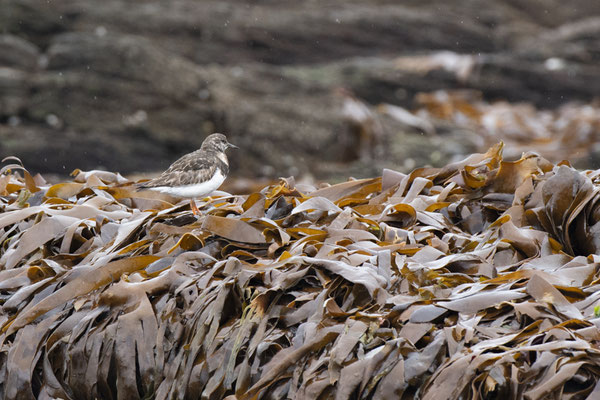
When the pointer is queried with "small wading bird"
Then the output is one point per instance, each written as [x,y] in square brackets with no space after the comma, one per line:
[195,174]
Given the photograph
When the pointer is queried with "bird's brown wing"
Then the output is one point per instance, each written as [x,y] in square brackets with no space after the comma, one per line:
[196,167]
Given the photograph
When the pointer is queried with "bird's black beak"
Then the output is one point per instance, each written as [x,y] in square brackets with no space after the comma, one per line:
[233,146]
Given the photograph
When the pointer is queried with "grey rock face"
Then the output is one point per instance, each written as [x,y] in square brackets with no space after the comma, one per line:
[130,86]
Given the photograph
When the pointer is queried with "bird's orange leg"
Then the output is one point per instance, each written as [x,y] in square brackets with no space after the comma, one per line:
[194,207]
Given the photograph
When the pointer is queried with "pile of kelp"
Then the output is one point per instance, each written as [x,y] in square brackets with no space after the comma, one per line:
[570,131]
[479,280]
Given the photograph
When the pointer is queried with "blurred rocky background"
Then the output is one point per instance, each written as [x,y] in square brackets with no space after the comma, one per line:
[316,89]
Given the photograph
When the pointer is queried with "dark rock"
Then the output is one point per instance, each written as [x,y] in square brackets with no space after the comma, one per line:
[496,76]
[14,89]
[130,58]
[130,86]
[16,52]
[35,21]
[122,92]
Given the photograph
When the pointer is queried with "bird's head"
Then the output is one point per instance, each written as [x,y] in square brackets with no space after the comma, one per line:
[217,142]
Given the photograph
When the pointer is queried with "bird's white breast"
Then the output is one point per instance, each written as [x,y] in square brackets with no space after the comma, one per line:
[197,190]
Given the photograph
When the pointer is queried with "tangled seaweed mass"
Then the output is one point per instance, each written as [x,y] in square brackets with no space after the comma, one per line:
[476,280]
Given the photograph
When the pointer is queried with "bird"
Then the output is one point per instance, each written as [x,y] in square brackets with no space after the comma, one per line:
[195,174]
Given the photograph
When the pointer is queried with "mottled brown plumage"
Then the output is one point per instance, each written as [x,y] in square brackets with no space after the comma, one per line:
[195,174]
